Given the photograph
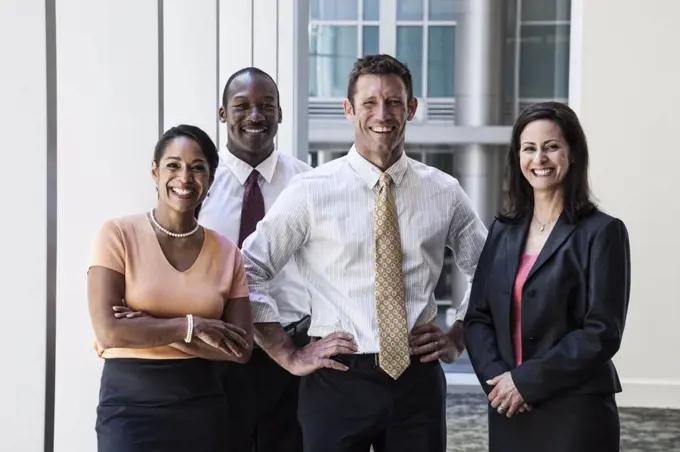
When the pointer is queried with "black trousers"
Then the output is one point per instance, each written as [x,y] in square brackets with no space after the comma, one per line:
[350,411]
[263,401]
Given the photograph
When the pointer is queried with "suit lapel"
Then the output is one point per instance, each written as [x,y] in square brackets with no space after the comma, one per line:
[559,234]
[515,239]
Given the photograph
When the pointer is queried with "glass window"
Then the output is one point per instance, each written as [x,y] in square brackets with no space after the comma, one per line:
[410,10]
[332,53]
[371,10]
[410,51]
[443,9]
[440,61]
[371,40]
[334,10]
[544,62]
[546,10]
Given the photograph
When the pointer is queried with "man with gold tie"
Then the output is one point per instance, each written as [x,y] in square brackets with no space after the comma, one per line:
[368,232]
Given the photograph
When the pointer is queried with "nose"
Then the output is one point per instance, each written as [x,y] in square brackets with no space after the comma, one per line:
[185,174]
[540,156]
[383,111]
[256,115]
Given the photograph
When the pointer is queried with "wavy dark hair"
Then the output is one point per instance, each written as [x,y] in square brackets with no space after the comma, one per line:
[576,187]
[197,135]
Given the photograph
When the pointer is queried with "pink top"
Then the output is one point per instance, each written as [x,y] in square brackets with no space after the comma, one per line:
[525,265]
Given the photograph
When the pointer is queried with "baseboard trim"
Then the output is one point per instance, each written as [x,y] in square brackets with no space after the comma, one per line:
[648,393]
[642,393]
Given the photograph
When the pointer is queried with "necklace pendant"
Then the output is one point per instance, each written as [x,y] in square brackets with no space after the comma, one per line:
[542,227]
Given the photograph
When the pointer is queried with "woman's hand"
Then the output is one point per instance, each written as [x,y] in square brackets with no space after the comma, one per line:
[123,312]
[505,398]
[224,336]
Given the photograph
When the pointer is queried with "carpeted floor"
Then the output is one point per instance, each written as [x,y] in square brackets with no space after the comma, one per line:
[642,429]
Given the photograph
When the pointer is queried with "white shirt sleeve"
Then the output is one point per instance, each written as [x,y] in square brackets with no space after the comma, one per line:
[466,238]
[279,235]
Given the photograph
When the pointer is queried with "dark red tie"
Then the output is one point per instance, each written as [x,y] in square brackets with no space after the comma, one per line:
[252,209]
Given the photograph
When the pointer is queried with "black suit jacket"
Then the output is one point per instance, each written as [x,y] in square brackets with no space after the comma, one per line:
[574,305]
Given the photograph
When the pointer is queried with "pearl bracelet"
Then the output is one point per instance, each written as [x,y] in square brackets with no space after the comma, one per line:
[190,328]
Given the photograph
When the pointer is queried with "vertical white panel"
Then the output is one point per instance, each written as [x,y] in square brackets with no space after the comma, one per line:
[628,104]
[265,36]
[190,64]
[22,275]
[107,75]
[293,81]
[235,42]
[388,27]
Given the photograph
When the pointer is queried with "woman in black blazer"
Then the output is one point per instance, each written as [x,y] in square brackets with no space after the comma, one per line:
[549,298]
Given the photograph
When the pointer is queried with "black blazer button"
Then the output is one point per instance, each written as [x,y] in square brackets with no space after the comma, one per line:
[531,292]
[532,339]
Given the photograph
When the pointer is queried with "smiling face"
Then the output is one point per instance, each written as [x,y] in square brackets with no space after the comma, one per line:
[252,114]
[379,111]
[182,175]
[543,155]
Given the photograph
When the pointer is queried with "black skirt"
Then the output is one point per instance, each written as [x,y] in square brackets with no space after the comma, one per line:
[573,423]
[170,405]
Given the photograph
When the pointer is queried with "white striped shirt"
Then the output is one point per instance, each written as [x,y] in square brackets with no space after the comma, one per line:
[324,218]
[221,212]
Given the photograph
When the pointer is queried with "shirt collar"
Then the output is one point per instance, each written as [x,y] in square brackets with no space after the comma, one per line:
[241,170]
[371,173]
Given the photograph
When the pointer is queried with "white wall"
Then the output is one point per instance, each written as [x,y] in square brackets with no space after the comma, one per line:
[107,110]
[23,229]
[190,82]
[625,86]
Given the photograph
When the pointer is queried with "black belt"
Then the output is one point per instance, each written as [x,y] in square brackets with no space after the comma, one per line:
[299,327]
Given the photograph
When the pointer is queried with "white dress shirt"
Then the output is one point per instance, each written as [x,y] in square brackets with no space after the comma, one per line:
[325,219]
[221,212]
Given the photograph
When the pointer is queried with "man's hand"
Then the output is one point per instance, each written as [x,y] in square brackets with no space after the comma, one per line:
[318,354]
[428,340]
[505,398]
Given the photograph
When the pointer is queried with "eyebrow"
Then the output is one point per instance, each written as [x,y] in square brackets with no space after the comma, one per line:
[548,141]
[198,160]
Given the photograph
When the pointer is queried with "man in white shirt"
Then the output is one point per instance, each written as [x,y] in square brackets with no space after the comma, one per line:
[368,231]
[262,396]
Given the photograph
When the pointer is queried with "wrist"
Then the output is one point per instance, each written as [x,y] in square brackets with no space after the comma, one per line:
[189,334]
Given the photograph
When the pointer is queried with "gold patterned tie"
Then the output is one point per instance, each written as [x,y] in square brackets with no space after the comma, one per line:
[389,284]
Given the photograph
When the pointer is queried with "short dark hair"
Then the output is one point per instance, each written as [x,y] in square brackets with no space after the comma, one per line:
[576,187]
[194,133]
[379,65]
[247,70]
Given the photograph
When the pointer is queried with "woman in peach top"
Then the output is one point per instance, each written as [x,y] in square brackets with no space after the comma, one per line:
[167,299]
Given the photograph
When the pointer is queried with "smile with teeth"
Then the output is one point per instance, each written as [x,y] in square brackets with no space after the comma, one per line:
[182,192]
[543,172]
[255,129]
[382,129]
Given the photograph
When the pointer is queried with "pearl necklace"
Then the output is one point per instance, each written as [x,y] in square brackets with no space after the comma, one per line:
[176,235]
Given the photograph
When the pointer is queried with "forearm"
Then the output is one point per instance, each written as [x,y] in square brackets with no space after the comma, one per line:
[200,349]
[482,347]
[276,343]
[141,332]
[573,360]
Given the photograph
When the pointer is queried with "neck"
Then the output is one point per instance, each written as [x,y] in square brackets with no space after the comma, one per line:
[174,221]
[382,160]
[252,158]
[547,205]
